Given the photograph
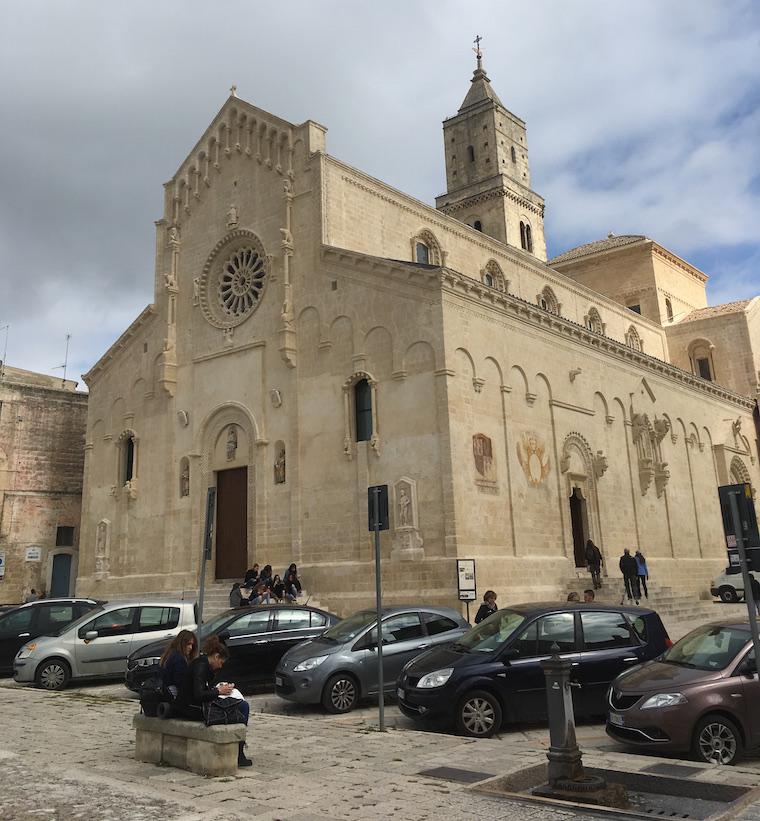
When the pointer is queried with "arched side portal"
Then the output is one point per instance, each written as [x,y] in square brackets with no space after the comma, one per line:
[578,465]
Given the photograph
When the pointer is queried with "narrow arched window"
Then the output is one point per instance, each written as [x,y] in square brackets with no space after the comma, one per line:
[422,253]
[488,279]
[528,239]
[470,153]
[129,460]
[363,410]
[669,309]
[477,225]
[522,235]
[514,154]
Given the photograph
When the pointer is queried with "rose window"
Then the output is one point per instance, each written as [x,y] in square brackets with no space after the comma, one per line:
[241,282]
[233,280]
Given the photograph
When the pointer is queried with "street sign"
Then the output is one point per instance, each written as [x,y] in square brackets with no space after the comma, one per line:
[382,507]
[466,579]
[2,565]
[737,508]
[33,554]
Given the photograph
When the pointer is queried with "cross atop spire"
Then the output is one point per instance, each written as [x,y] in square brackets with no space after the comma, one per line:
[233,91]
[478,52]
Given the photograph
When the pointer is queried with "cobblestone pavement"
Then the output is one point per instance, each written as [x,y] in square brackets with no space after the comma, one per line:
[69,755]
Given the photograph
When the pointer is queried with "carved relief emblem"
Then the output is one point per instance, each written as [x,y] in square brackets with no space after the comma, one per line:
[232,442]
[482,451]
[533,458]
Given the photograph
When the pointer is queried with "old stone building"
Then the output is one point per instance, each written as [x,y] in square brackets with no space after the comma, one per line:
[314,331]
[42,430]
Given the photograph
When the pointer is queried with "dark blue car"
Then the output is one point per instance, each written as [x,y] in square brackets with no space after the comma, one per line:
[492,674]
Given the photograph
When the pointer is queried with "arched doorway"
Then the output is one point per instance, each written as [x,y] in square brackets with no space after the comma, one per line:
[579,523]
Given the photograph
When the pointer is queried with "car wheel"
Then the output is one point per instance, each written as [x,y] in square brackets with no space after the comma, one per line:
[717,740]
[53,674]
[479,714]
[341,694]
[727,594]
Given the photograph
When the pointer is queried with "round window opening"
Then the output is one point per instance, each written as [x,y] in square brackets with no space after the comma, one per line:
[241,282]
[234,280]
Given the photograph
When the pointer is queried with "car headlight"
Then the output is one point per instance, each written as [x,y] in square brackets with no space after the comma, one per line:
[26,650]
[436,679]
[309,664]
[664,700]
[148,662]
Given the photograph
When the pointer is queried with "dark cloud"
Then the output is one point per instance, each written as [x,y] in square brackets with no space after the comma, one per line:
[642,118]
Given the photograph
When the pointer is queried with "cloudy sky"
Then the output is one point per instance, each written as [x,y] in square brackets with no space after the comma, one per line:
[643,117]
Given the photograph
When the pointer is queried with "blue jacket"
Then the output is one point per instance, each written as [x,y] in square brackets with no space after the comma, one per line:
[641,563]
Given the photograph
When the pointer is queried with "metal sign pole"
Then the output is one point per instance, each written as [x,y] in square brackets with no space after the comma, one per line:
[749,597]
[379,599]
[206,549]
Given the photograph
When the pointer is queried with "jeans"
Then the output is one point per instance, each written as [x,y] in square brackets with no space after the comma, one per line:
[595,575]
[643,584]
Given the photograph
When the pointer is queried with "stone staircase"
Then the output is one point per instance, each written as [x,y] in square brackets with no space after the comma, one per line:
[680,610]
[217,598]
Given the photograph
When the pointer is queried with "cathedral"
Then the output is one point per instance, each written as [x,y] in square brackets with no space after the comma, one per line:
[314,332]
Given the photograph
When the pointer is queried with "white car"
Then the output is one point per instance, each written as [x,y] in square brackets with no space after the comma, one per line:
[98,644]
[729,585]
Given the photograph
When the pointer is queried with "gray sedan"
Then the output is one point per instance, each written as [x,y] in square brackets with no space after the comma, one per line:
[340,667]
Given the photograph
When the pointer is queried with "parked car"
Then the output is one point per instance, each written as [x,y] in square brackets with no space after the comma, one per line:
[256,636]
[493,673]
[729,585]
[700,696]
[97,644]
[340,667]
[45,617]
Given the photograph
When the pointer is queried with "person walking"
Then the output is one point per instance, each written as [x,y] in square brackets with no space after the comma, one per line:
[630,571]
[487,608]
[594,561]
[642,572]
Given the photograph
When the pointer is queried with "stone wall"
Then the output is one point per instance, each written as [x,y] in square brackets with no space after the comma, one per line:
[42,427]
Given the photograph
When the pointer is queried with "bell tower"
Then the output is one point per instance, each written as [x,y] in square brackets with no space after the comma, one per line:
[487,169]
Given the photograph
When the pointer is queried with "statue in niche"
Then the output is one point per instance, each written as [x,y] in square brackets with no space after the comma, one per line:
[196,290]
[101,549]
[173,237]
[279,468]
[169,279]
[232,442]
[184,481]
[232,217]
[404,503]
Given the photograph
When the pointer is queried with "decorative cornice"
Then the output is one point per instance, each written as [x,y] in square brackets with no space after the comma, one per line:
[461,285]
[259,343]
[122,342]
[476,199]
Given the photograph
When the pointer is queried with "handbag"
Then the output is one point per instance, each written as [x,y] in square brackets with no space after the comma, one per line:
[222,710]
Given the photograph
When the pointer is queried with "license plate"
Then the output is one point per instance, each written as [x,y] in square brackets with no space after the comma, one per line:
[400,692]
[278,681]
[616,719]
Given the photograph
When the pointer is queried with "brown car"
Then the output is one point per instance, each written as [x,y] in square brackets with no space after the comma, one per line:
[701,695]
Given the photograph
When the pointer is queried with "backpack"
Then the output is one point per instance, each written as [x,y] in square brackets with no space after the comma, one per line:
[153,694]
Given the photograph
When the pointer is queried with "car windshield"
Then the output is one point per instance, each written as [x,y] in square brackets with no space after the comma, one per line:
[212,627]
[712,647]
[349,628]
[491,633]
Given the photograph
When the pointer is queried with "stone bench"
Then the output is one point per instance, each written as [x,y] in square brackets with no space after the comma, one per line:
[189,745]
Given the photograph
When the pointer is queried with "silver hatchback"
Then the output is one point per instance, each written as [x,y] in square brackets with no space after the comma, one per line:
[340,667]
[97,645]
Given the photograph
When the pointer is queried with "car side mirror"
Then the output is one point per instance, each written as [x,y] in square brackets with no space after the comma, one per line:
[509,654]
[747,668]
[90,635]
[223,636]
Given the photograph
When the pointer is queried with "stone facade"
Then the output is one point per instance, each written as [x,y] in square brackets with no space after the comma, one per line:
[314,332]
[42,428]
